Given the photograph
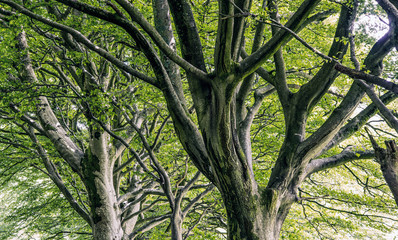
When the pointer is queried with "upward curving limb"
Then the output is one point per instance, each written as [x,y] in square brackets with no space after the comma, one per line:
[280,75]
[191,50]
[187,32]
[163,25]
[254,61]
[314,90]
[137,16]
[296,150]
[331,132]
[241,11]
[223,48]
[390,7]
[247,83]
[50,124]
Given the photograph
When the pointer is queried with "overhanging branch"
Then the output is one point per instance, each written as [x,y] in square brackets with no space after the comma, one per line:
[140,19]
[368,78]
[83,39]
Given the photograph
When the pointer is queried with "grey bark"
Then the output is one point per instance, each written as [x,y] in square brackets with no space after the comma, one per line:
[388,160]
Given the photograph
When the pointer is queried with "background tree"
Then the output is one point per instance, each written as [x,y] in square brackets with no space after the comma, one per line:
[134,184]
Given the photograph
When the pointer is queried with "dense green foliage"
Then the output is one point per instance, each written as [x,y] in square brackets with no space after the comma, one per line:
[87,91]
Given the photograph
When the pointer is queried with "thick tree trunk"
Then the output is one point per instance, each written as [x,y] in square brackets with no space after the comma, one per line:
[253,214]
[245,218]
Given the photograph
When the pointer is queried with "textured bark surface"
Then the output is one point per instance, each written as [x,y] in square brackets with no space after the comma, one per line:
[388,160]
[97,169]
[218,139]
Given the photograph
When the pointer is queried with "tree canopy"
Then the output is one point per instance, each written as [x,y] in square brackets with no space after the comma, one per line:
[200,119]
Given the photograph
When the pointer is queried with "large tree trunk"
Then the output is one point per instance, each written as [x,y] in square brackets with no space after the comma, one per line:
[252,213]
[258,216]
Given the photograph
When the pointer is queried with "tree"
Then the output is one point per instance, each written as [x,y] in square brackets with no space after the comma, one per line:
[213,89]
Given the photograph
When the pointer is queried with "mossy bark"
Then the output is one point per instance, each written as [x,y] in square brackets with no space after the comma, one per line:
[253,213]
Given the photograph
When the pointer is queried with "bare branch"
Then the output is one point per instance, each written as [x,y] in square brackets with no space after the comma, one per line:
[56,178]
[254,61]
[153,223]
[140,19]
[196,199]
[345,156]
[144,193]
[368,78]
[387,114]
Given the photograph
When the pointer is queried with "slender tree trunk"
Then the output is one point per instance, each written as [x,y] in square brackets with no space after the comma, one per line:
[388,159]
[176,225]
[99,182]
[129,225]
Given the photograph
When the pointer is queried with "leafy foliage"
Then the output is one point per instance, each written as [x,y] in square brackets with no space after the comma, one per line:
[151,161]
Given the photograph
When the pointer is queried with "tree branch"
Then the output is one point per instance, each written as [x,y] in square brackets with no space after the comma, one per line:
[51,126]
[83,39]
[347,155]
[186,188]
[165,179]
[328,132]
[280,68]
[368,78]
[223,48]
[389,8]
[358,121]
[388,116]
[254,61]
[140,19]
[241,11]
[163,25]
[153,223]
[56,178]
[196,199]
[144,193]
